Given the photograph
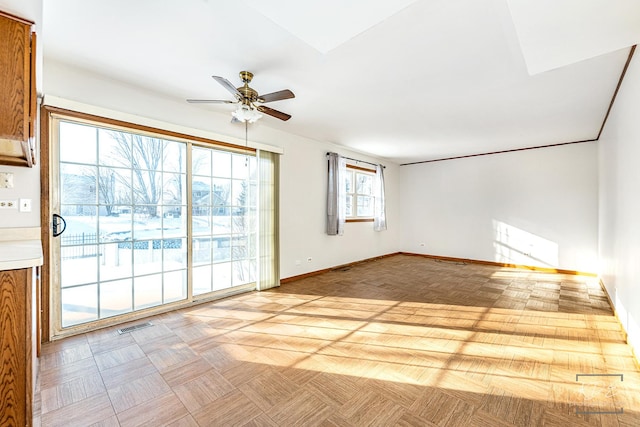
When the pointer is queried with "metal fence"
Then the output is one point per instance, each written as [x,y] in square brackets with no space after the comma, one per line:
[84,245]
[80,245]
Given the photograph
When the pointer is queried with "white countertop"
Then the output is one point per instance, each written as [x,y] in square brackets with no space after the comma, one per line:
[16,254]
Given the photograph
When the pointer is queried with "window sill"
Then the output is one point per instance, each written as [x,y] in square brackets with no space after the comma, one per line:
[359,220]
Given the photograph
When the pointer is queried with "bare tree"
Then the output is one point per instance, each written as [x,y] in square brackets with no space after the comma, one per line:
[145,155]
[241,226]
[107,189]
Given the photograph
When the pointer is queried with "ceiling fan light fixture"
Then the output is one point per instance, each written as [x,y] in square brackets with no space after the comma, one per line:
[244,113]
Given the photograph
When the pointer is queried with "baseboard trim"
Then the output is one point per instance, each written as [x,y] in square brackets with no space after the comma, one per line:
[501,264]
[440,258]
[606,293]
[636,359]
[337,267]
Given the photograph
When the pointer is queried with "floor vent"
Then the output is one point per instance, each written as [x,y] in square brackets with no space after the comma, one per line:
[134,327]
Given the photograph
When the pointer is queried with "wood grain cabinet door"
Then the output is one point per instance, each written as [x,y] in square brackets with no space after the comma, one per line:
[17,91]
[15,350]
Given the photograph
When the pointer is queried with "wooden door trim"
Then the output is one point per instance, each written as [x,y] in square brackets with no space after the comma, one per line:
[45,228]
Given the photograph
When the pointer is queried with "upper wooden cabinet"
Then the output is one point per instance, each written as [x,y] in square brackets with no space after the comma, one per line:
[17,91]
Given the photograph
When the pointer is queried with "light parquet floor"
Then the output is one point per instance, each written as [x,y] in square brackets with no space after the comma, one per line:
[401,341]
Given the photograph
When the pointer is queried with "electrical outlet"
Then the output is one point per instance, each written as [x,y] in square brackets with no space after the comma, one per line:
[309,259]
[25,205]
[6,180]
[8,204]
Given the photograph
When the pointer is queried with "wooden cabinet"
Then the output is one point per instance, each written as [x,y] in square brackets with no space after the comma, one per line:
[16,358]
[17,91]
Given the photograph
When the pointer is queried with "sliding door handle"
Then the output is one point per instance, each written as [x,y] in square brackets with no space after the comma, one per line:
[56,223]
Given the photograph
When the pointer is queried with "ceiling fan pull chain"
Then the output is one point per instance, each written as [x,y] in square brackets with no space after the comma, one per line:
[246,142]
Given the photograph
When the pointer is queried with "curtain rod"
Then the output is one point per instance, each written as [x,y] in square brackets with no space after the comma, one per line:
[360,161]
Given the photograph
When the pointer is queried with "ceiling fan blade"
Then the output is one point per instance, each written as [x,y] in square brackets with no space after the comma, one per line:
[210,101]
[228,86]
[276,96]
[274,113]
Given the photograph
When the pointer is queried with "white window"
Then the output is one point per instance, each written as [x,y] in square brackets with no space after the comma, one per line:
[360,200]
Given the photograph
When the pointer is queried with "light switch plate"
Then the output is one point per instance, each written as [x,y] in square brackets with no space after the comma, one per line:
[25,205]
[6,179]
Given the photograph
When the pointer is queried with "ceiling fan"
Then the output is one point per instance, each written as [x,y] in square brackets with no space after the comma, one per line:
[249,99]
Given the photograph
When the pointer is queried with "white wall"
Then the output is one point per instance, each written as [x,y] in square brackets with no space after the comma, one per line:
[26,186]
[303,213]
[26,180]
[303,169]
[619,205]
[535,207]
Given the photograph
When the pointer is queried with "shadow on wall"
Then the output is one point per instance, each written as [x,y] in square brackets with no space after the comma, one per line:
[513,245]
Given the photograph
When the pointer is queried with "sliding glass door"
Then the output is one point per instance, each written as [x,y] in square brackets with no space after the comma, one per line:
[150,221]
[223,219]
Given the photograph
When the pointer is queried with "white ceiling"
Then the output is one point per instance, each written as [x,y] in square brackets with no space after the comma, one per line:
[574,31]
[422,80]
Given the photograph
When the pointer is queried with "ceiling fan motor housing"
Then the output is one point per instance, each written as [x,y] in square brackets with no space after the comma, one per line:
[248,94]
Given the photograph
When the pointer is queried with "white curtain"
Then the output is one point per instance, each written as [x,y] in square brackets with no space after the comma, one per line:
[336,194]
[268,220]
[379,214]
